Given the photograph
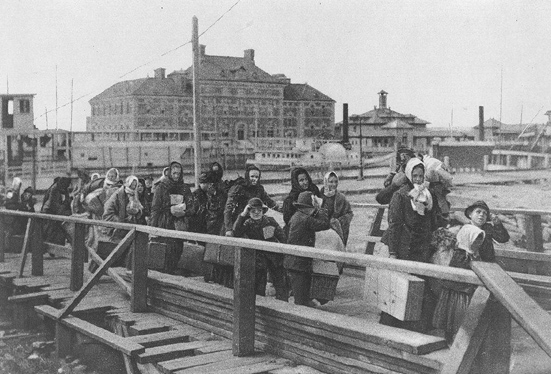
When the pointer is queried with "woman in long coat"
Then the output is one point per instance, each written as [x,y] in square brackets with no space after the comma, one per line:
[57,201]
[123,206]
[337,205]
[170,210]
[411,221]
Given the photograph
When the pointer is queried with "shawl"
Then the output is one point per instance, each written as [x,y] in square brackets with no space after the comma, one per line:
[421,198]
[466,237]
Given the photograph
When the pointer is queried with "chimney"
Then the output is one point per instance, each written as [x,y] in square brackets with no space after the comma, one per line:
[249,55]
[202,49]
[345,123]
[481,123]
[382,99]
[160,73]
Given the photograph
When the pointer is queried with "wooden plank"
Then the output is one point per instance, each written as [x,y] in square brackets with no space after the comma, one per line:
[129,363]
[232,363]
[26,246]
[244,302]
[169,352]
[168,367]
[3,238]
[114,256]
[522,307]
[77,257]
[37,251]
[215,347]
[375,230]
[42,296]
[113,340]
[534,238]
[112,273]
[262,367]
[470,335]
[161,338]
[139,273]
[143,328]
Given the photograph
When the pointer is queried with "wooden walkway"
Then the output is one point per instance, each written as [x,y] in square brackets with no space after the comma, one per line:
[160,344]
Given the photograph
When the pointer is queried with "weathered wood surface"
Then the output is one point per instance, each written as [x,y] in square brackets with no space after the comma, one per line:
[113,340]
[523,309]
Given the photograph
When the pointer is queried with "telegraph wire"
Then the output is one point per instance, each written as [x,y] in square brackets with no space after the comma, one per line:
[142,65]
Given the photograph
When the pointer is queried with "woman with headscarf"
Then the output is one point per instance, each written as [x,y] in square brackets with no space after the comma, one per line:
[338,208]
[396,179]
[142,196]
[300,182]
[217,197]
[238,197]
[123,206]
[57,201]
[411,221]
[13,202]
[170,210]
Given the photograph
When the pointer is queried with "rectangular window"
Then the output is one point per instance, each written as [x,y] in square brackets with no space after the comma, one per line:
[24,106]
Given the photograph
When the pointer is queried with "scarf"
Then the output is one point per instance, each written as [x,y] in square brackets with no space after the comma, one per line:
[111,182]
[128,185]
[421,198]
[326,191]
[467,236]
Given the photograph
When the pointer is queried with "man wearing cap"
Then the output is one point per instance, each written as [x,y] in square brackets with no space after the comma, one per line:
[479,215]
[303,225]
[254,224]
[199,212]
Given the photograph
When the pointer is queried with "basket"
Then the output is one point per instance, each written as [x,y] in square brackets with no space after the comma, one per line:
[323,286]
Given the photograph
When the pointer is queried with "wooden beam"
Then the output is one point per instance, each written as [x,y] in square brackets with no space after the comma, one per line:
[534,236]
[522,307]
[139,273]
[25,248]
[77,257]
[375,230]
[2,239]
[37,249]
[112,273]
[244,302]
[470,335]
[114,256]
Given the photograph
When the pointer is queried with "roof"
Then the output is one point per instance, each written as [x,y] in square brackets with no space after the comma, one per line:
[143,86]
[397,124]
[229,68]
[382,116]
[299,92]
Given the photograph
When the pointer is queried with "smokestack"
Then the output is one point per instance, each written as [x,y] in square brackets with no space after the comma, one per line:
[481,123]
[382,99]
[345,123]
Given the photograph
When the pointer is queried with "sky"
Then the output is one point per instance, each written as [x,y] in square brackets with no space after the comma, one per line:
[437,60]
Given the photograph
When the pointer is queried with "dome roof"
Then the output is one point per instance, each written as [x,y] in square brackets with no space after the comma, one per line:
[333,152]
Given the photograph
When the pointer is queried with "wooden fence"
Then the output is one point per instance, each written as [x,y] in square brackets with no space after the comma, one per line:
[484,317]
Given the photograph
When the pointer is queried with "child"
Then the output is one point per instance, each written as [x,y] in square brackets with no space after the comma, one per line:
[255,225]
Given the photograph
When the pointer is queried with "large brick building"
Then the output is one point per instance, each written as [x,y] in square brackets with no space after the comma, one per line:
[239,102]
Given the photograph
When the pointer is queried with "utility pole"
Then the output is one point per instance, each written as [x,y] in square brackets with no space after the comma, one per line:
[69,137]
[196,100]
[361,176]
[56,106]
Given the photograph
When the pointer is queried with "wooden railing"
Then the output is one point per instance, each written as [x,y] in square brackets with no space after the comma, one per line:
[484,317]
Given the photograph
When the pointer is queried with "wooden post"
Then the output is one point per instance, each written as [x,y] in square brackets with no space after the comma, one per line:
[2,239]
[37,248]
[196,100]
[139,273]
[25,249]
[534,236]
[63,340]
[77,257]
[375,230]
[244,299]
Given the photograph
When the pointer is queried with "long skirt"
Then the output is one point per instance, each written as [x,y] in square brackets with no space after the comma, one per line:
[450,311]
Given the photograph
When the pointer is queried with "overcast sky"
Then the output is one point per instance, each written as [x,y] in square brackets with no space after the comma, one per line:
[431,57]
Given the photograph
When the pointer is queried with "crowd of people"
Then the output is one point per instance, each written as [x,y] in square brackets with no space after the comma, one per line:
[419,224]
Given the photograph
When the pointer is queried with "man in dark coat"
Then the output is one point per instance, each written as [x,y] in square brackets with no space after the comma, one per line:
[57,201]
[199,212]
[170,210]
[308,219]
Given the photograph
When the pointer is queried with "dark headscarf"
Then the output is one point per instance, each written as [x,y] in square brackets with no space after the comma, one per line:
[142,195]
[248,171]
[295,187]
[218,174]
[168,181]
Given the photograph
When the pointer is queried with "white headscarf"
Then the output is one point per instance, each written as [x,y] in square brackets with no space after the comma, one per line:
[326,177]
[128,183]
[466,237]
[109,182]
[16,184]
[421,198]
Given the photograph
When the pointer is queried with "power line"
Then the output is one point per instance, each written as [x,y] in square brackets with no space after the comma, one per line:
[142,65]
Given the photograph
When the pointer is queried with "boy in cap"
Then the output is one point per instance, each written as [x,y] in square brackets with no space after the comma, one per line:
[254,224]
[479,215]
[303,225]
[199,209]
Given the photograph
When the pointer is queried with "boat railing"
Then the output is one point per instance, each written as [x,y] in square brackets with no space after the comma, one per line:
[484,317]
